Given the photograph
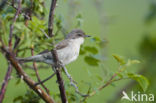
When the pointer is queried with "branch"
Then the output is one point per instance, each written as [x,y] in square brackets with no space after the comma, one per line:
[9,70]
[126,87]
[72,82]
[45,33]
[61,86]
[36,71]
[51,18]
[22,11]
[54,54]
[10,56]
[25,66]
[8,75]
[46,79]
[17,40]
[5,83]
[14,20]
[106,84]
[111,80]
[59,76]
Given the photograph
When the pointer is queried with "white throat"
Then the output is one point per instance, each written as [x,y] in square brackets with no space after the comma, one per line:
[78,41]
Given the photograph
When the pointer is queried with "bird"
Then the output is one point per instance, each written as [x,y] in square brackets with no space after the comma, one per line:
[67,50]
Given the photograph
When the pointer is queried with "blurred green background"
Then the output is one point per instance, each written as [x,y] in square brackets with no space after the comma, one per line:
[128,26]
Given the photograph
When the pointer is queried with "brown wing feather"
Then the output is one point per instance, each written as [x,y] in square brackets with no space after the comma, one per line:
[60,45]
[45,51]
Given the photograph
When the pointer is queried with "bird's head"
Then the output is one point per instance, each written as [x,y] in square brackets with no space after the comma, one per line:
[76,34]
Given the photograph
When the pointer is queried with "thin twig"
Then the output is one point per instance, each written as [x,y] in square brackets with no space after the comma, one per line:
[12,5]
[16,41]
[14,20]
[51,18]
[68,75]
[126,87]
[106,84]
[61,86]
[25,66]
[5,83]
[11,57]
[54,54]
[72,82]
[45,33]
[9,70]
[46,79]
[60,81]
[36,72]
[8,75]
[21,11]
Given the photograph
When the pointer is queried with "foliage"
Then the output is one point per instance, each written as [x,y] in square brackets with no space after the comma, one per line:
[147,46]
[31,28]
[152,13]
[29,97]
[143,81]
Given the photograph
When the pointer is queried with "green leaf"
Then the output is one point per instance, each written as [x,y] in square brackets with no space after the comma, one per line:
[99,77]
[40,8]
[18,81]
[79,20]
[119,59]
[143,81]
[91,49]
[19,98]
[97,39]
[92,61]
[130,62]
[82,52]
[120,75]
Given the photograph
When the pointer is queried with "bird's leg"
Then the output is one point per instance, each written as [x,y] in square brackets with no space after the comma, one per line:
[72,82]
[68,75]
[45,79]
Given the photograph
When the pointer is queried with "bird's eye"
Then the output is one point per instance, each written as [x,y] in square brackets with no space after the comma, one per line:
[79,34]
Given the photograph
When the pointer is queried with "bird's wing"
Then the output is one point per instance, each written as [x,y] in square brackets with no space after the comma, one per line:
[62,44]
[59,46]
[45,51]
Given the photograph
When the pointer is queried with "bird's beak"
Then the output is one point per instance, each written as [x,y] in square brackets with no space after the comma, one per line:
[87,36]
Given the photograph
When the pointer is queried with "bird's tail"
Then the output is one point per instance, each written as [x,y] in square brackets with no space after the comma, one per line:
[36,58]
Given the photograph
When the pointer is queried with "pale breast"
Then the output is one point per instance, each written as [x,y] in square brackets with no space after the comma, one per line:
[69,53]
